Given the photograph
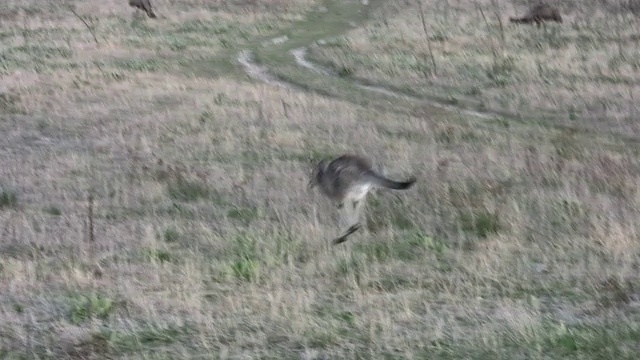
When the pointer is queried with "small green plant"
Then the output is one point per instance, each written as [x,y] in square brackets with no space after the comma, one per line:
[8,199]
[161,256]
[562,338]
[221,99]
[245,269]
[344,71]
[10,103]
[452,100]
[245,246]
[171,234]
[114,75]
[85,307]
[225,43]
[346,316]
[246,264]
[18,308]
[52,210]
[423,241]
[206,116]
[143,337]
[440,36]
[482,223]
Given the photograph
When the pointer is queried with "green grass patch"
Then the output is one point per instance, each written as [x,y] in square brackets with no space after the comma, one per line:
[85,307]
[8,199]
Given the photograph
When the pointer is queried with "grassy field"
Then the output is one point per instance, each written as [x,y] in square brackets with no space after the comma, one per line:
[584,72]
[153,200]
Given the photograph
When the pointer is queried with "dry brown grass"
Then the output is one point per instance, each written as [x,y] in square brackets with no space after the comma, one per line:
[585,69]
[516,242]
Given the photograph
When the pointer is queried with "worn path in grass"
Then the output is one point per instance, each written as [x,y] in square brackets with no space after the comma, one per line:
[281,60]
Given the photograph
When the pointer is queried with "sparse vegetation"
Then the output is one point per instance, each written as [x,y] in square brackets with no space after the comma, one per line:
[52,210]
[518,241]
[8,198]
[587,63]
[85,307]
[171,235]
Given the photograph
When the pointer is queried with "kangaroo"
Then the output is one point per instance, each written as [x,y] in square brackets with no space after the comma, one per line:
[347,180]
[539,14]
[144,5]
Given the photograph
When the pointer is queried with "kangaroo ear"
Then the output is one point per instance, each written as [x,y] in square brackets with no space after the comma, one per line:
[314,173]
[319,165]
[314,169]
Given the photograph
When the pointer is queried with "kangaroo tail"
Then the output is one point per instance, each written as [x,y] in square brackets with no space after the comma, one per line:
[522,20]
[390,184]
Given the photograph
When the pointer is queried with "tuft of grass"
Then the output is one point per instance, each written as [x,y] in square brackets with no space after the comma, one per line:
[18,308]
[245,269]
[480,223]
[53,210]
[141,338]
[158,255]
[421,241]
[86,307]
[171,235]
[345,71]
[8,199]
[246,263]
[10,103]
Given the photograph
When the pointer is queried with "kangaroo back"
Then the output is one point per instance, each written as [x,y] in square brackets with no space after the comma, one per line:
[522,20]
[144,5]
[539,13]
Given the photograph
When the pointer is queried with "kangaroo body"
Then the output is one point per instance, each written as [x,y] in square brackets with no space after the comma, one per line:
[347,180]
[539,14]
[144,5]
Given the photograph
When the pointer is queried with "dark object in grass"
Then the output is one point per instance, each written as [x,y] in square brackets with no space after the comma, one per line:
[539,14]
[144,5]
[344,237]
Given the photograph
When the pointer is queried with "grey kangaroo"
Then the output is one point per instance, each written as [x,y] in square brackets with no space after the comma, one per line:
[538,14]
[144,5]
[346,181]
